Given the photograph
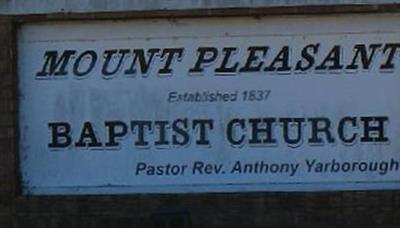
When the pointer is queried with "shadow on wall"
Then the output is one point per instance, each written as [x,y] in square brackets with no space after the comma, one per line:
[171,218]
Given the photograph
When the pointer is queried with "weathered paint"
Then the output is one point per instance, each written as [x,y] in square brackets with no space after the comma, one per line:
[82,6]
[52,165]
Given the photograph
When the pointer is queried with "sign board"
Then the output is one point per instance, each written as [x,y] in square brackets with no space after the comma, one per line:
[294,103]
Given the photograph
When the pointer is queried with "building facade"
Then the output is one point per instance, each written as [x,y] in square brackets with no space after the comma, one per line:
[62,160]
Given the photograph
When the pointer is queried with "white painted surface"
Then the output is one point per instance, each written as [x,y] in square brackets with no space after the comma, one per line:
[45,6]
[92,171]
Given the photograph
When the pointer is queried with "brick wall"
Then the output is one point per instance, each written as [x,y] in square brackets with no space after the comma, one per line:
[340,209]
[8,115]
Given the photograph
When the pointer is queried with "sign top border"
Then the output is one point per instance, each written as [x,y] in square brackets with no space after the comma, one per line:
[37,7]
